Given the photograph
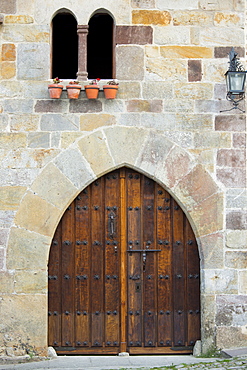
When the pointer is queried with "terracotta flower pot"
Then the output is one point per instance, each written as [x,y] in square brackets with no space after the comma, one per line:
[55,91]
[92,91]
[110,91]
[73,91]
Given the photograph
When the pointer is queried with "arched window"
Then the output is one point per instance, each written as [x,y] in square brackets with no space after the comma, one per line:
[64,46]
[100,47]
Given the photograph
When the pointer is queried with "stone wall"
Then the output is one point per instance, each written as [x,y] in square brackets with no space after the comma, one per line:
[165,122]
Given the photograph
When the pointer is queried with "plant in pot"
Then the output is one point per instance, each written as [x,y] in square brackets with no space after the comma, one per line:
[55,89]
[92,90]
[73,89]
[111,89]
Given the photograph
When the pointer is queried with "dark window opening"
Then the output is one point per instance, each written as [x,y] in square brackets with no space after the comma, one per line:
[64,46]
[100,47]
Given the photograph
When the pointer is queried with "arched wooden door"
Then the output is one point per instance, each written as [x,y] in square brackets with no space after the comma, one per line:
[124,271]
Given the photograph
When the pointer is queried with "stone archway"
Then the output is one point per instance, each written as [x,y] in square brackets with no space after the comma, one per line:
[86,159]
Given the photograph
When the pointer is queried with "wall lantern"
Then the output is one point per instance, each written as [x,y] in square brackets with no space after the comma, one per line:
[235,81]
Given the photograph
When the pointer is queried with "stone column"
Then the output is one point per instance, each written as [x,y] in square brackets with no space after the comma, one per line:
[82,32]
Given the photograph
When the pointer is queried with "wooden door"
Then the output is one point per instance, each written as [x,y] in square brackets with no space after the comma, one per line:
[124,271]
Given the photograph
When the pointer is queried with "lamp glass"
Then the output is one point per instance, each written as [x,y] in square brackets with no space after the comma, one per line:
[235,81]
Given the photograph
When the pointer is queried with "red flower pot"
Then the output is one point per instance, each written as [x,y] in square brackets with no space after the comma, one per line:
[55,91]
[73,91]
[110,91]
[92,91]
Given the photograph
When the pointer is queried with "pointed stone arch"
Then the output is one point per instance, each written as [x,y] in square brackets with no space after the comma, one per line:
[89,157]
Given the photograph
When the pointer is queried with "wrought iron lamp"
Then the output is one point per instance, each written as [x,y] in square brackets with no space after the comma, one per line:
[235,81]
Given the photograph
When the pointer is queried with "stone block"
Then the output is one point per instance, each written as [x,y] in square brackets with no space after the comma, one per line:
[51,106]
[143,4]
[219,281]
[194,70]
[157,90]
[85,106]
[154,153]
[7,282]
[236,239]
[18,19]
[18,106]
[228,19]
[38,140]
[230,122]
[178,36]
[29,281]
[3,122]
[208,308]
[74,166]
[243,282]
[212,251]
[179,106]
[36,214]
[10,89]
[186,52]
[178,4]
[59,122]
[152,51]
[125,143]
[10,197]
[33,34]
[53,186]
[30,158]
[113,106]
[208,215]
[130,119]
[27,250]
[8,52]
[161,121]
[55,139]
[214,72]
[236,260]
[238,140]
[223,51]
[33,61]
[192,18]
[24,122]
[8,70]
[236,220]
[129,90]
[89,122]
[144,106]
[93,145]
[8,6]
[6,218]
[232,177]
[225,36]
[231,158]
[231,337]
[4,235]
[161,69]
[231,310]
[12,140]
[151,17]
[216,4]
[2,259]
[212,106]
[140,35]
[17,177]
[69,138]
[26,322]
[193,91]
[177,158]
[194,122]
[212,140]
[129,63]
[236,198]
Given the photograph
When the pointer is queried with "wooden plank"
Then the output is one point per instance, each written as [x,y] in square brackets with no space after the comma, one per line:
[67,277]
[165,276]
[112,236]
[135,282]
[149,267]
[82,271]
[193,285]
[54,290]
[179,283]
[97,258]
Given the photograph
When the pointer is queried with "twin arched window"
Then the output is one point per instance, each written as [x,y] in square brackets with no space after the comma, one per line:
[99,48]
